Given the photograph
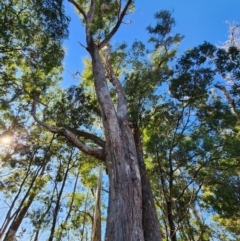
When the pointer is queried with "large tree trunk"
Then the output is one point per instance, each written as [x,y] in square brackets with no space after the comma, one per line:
[151,226]
[124,221]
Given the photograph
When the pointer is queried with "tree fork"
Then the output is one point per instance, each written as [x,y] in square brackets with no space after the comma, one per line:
[124,221]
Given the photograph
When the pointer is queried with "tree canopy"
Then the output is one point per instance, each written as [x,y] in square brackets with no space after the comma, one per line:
[164,127]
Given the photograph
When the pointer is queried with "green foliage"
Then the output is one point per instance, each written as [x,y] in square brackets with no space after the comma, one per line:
[30,46]
[190,134]
[163,28]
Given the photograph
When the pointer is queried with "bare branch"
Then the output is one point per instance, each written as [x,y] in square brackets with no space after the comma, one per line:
[229,98]
[97,153]
[115,28]
[82,45]
[79,8]
[74,75]
[127,23]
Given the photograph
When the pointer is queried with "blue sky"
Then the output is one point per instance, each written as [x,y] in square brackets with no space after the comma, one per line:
[197,20]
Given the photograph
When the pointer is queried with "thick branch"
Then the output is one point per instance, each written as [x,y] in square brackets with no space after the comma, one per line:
[79,8]
[91,12]
[119,8]
[114,30]
[87,136]
[230,100]
[97,153]
[122,102]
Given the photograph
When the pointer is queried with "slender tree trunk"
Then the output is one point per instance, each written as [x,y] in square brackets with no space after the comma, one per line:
[18,220]
[23,208]
[151,226]
[96,230]
[69,210]
[124,221]
[171,221]
[58,205]
[36,235]
[169,201]
[9,215]
[85,220]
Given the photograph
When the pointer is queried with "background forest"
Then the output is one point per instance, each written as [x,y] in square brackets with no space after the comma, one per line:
[185,109]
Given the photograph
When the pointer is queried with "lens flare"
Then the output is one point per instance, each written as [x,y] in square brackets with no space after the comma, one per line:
[6,140]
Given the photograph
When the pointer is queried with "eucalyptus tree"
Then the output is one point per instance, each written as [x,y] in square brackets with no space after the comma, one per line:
[33,31]
[118,116]
[102,19]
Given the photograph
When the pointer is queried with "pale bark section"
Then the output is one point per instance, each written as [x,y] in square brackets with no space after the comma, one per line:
[229,98]
[96,230]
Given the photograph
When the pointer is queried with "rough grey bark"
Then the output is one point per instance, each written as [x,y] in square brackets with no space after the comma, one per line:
[151,226]
[124,221]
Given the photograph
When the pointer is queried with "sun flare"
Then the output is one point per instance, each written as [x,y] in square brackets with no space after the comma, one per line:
[6,140]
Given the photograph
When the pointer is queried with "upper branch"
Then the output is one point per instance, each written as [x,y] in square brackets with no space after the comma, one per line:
[91,12]
[80,9]
[115,28]
[230,100]
[97,153]
[119,9]
[122,102]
